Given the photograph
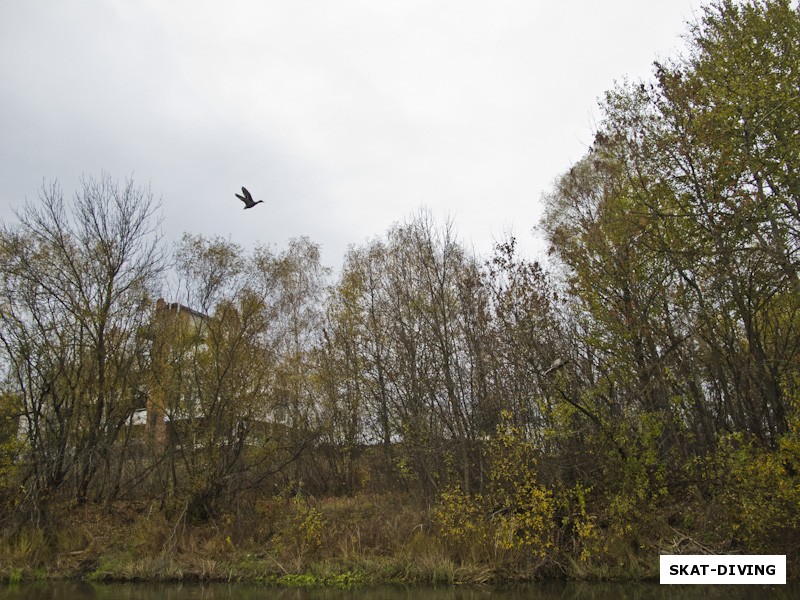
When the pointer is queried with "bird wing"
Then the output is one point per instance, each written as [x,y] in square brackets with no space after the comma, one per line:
[557,364]
[247,194]
[242,198]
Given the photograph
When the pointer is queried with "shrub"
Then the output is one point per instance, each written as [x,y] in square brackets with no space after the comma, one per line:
[514,519]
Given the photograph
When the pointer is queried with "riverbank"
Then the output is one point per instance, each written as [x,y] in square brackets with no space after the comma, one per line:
[299,541]
[282,541]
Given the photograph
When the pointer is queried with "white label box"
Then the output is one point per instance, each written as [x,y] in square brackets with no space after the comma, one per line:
[723,568]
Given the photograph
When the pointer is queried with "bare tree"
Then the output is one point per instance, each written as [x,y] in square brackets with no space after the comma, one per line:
[76,285]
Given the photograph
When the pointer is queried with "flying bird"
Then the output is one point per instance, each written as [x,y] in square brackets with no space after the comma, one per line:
[247,199]
[557,364]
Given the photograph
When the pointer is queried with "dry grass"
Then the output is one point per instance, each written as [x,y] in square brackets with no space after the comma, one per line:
[283,541]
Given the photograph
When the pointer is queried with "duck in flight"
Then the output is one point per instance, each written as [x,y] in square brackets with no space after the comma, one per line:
[247,199]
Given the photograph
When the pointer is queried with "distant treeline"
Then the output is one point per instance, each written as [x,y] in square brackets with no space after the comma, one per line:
[670,298]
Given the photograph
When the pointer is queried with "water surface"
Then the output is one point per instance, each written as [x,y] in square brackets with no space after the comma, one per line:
[542,591]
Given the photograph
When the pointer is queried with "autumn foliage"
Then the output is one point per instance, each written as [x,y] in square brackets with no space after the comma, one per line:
[419,374]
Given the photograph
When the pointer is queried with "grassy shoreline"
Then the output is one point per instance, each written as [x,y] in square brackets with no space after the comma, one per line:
[338,542]
[333,542]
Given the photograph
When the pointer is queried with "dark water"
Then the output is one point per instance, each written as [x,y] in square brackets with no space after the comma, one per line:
[544,591]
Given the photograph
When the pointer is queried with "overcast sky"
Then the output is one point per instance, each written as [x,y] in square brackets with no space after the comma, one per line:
[344,116]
